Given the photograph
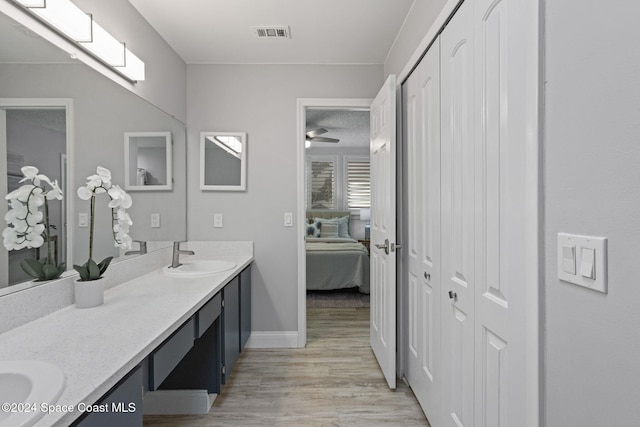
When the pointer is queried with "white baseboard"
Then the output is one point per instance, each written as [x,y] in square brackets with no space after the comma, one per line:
[284,339]
[178,402]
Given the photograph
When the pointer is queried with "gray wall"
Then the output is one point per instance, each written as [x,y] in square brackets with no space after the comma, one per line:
[592,187]
[261,100]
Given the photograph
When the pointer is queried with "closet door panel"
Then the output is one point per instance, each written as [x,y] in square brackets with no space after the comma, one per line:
[500,220]
[422,130]
[458,217]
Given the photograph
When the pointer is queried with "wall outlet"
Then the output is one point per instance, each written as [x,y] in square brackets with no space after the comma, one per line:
[83,220]
[155,220]
[217,220]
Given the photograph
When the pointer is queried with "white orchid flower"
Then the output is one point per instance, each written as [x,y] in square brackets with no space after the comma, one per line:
[119,198]
[84,193]
[55,192]
[104,173]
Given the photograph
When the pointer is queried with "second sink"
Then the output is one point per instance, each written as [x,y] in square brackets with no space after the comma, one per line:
[197,268]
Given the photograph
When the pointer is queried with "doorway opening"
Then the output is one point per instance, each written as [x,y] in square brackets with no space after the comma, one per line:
[333,192]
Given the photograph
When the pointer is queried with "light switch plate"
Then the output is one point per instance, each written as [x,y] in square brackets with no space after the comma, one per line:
[288,219]
[155,220]
[217,220]
[83,220]
[594,251]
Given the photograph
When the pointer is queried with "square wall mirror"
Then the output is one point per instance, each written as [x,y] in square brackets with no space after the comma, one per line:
[223,161]
[147,156]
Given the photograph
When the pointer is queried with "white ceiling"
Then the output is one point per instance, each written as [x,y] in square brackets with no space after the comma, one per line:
[322,31]
[350,127]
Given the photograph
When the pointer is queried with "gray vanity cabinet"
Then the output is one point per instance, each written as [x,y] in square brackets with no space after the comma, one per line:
[245,306]
[231,326]
[121,406]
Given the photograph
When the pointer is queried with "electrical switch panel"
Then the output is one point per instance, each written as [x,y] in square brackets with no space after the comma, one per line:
[582,260]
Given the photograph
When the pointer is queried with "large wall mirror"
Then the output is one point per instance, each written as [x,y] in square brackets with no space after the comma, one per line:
[67,119]
[223,161]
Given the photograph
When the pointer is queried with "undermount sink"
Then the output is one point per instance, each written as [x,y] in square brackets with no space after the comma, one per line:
[31,382]
[199,268]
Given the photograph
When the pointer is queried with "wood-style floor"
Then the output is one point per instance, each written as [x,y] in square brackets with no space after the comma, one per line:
[334,381]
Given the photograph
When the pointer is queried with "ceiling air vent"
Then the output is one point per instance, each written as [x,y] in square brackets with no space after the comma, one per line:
[272,32]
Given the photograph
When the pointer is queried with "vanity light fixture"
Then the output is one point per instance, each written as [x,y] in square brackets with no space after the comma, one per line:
[80,27]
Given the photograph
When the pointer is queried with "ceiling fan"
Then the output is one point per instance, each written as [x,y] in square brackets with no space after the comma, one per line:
[314,136]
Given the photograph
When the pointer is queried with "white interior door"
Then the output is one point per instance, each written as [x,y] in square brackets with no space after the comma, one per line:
[421,97]
[458,218]
[4,255]
[383,229]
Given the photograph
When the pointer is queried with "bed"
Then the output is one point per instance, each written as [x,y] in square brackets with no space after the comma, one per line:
[334,261]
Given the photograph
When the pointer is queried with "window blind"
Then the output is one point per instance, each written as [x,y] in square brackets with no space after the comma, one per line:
[358,184]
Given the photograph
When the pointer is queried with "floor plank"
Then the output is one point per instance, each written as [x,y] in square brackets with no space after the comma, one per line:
[334,381]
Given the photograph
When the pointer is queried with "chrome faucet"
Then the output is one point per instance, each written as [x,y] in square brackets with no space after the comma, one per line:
[141,251]
[175,260]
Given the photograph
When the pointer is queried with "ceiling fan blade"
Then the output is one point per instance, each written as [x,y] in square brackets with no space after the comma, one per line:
[316,132]
[324,139]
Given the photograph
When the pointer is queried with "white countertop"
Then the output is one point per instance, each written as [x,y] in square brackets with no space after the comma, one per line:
[96,347]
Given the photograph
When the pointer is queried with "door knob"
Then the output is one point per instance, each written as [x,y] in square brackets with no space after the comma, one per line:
[427,276]
[385,246]
[453,295]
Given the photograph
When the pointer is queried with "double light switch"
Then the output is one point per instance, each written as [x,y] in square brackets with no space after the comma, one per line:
[582,260]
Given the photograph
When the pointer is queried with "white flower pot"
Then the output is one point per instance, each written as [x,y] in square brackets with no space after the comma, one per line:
[89,294]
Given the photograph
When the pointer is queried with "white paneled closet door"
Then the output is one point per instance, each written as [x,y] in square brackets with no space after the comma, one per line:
[501,397]
[422,126]
[458,218]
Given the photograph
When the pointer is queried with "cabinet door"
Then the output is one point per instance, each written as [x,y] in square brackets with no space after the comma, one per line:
[122,406]
[245,306]
[231,326]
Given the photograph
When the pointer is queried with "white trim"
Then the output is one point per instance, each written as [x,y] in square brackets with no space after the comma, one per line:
[284,339]
[301,117]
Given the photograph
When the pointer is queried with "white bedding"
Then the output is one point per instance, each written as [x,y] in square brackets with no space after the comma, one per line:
[337,263]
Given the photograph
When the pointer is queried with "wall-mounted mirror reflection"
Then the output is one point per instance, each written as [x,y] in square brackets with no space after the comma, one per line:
[97,113]
[147,156]
[223,161]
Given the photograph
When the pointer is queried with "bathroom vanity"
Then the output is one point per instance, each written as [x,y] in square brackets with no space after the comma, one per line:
[155,336]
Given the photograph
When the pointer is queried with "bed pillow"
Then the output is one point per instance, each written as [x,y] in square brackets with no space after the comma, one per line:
[329,230]
[314,229]
[343,225]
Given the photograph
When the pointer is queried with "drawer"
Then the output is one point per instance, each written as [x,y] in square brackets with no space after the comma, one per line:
[208,314]
[170,353]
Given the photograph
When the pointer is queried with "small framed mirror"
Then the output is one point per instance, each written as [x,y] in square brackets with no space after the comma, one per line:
[223,161]
[147,156]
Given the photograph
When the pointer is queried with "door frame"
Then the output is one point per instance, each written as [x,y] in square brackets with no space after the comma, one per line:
[302,105]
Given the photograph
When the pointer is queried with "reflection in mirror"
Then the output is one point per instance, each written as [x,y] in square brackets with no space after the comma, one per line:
[98,114]
[147,156]
[34,135]
[223,161]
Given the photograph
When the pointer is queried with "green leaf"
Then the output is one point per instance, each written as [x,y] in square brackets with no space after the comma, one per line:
[104,264]
[93,269]
[61,268]
[49,271]
[83,271]
[32,267]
